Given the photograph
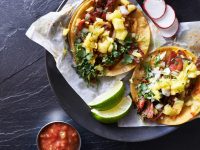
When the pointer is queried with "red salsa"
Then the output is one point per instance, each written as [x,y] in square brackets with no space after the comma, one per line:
[58,136]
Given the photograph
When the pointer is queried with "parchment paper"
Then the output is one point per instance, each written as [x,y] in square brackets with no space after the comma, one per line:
[47,31]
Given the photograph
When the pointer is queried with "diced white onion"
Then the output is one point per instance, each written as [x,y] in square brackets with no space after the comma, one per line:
[166,71]
[123,10]
[162,64]
[166,92]
[85,30]
[159,106]
[174,73]
[156,72]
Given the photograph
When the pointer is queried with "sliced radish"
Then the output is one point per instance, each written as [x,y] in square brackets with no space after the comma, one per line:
[167,19]
[171,31]
[155,8]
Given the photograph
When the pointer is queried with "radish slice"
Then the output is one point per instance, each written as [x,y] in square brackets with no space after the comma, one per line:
[167,19]
[171,31]
[155,8]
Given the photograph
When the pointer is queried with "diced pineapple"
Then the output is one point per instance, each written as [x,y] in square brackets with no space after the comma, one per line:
[97,32]
[192,71]
[88,43]
[178,105]
[155,90]
[157,94]
[124,2]
[192,67]
[131,8]
[99,22]
[91,28]
[177,86]
[115,14]
[99,67]
[118,24]
[104,46]
[105,34]
[192,75]
[165,83]
[65,31]
[110,48]
[175,109]
[121,34]
[169,111]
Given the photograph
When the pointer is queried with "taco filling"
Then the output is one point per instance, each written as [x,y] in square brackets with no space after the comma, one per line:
[105,37]
[165,81]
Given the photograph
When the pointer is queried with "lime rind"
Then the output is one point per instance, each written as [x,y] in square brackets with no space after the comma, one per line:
[114,114]
[110,98]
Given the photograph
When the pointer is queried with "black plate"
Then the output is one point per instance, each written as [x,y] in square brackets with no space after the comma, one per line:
[78,110]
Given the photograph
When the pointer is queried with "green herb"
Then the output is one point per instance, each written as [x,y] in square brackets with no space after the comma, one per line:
[83,34]
[88,71]
[89,56]
[147,69]
[80,52]
[111,58]
[143,91]
[128,59]
[157,60]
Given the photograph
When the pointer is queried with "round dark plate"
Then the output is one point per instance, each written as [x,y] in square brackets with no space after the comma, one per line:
[78,110]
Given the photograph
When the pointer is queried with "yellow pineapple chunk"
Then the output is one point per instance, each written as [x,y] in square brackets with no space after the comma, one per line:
[105,34]
[110,48]
[115,14]
[88,43]
[124,2]
[175,109]
[118,24]
[99,22]
[121,34]
[131,8]
[136,54]
[104,45]
[178,105]
[169,111]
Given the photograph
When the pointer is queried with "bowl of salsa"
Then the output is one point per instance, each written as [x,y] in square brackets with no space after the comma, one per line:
[59,136]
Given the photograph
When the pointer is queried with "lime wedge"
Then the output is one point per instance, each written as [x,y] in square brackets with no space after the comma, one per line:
[110,98]
[114,114]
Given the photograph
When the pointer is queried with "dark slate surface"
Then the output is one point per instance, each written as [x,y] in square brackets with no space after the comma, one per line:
[26,99]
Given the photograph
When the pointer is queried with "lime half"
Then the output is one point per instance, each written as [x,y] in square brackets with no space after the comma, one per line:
[114,114]
[110,98]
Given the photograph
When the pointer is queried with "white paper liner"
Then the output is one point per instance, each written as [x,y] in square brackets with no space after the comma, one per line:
[47,31]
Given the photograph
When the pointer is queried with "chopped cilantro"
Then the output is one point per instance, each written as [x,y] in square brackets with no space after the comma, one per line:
[143,91]
[157,60]
[147,69]
[128,59]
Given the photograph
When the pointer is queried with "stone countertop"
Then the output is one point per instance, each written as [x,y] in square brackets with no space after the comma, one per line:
[26,99]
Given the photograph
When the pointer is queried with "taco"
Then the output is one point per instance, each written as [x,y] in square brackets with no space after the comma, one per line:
[166,86]
[107,38]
